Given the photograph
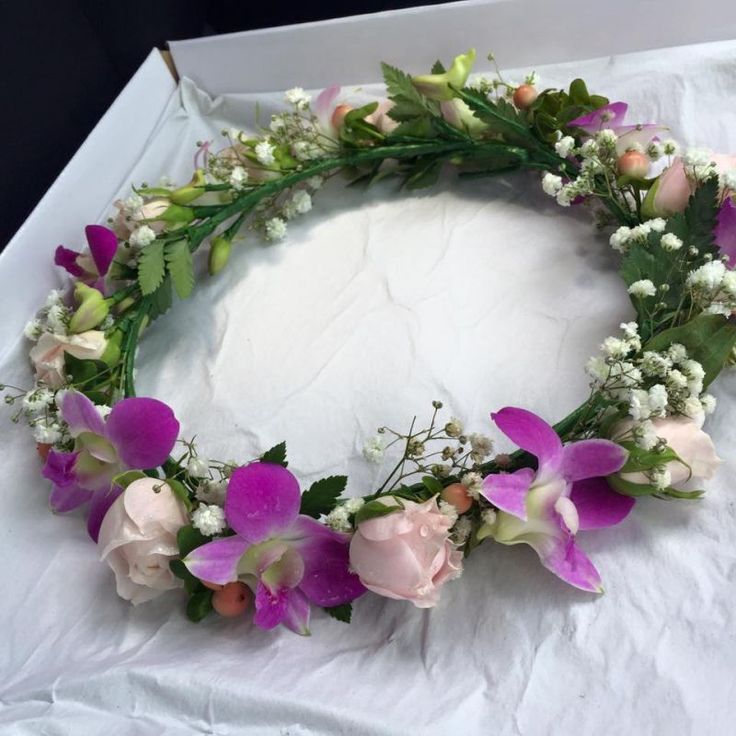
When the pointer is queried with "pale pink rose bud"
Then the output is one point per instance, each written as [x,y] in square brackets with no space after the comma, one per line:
[407,554]
[47,355]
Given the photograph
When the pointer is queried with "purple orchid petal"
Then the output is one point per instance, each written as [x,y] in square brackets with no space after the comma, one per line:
[103,244]
[67,259]
[297,613]
[566,560]
[143,431]
[81,414]
[100,505]
[532,434]
[508,491]
[598,505]
[68,497]
[608,116]
[271,606]
[326,99]
[725,232]
[217,561]
[591,459]
[59,467]
[327,578]
[263,499]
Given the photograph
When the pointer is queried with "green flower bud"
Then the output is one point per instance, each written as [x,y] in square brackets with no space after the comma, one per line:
[91,311]
[220,248]
[111,356]
[176,216]
[437,86]
[189,192]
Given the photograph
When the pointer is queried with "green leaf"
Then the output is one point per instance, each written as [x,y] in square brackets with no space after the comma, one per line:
[181,492]
[179,264]
[85,373]
[410,106]
[341,613]
[125,479]
[424,175]
[276,455]
[683,495]
[438,67]
[151,267]
[199,605]
[640,460]
[709,339]
[191,583]
[188,538]
[579,93]
[627,488]
[161,299]
[432,484]
[701,216]
[321,496]
[501,116]
[374,509]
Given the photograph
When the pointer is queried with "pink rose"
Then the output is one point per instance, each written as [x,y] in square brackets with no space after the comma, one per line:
[123,225]
[686,437]
[138,539]
[406,554]
[47,355]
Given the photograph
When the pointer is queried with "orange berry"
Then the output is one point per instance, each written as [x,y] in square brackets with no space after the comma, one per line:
[524,96]
[232,600]
[43,450]
[457,495]
[633,163]
[338,115]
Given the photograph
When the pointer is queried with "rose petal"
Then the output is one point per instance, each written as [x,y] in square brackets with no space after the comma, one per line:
[598,505]
[151,505]
[80,414]
[508,491]
[592,458]
[217,561]
[102,246]
[143,432]
[263,499]
[532,434]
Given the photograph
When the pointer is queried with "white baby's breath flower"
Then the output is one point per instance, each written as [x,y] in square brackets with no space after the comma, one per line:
[630,329]
[709,276]
[645,435]
[212,492]
[620,238]
[708,402]
[565,196]
[670,242]
[38,400]
[677,352]
[676,380]
[33,329]
[46,431]
[238,177]
[298,97]
[670,147]
[481,445]
[473,483]
[489,516]
[264,153]
[658,399]
[198,467]
[657,225]
[597,369]
[606,138]
[551,184]
[642,288]
[661,478]
[142,236]
[655,151]
[462,529]
[615,347]
[728,179]
[301,201]
[639,405]
[209,519]
[315,182]
[589,149]
[277,123]
[373,450]
[692,407]
[354,504]
[656,364]
[54,297]
[57,318]
[564,146]
[338,519]
[448,510]
[275,228]
[454,428]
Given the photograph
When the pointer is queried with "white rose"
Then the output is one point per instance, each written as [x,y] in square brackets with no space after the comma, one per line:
[47,355]
[138,539]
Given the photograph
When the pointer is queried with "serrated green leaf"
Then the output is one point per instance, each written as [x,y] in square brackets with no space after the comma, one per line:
[161,299]
[501,117]
[188,538]
[438,67]
[409,103]
[199,605]
[321,496]
[179,264]
[342,613]
[425,174]
[374,509]
[276,455]
[151,267]
[709,339]
[640,460]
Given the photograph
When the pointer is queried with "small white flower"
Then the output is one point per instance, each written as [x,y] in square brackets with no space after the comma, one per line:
[564,146]
[642,288]
[655,151]
[656,364]
[103,410]
[708,402]
[481,445]
[338,520]
[238,177]
[142,236]
[57,319]
[729,283]
[298,97]
[46,431]
[692,407]
[306,150]
[301,201]
[728,179]
[693,369]
[454,428]
[661,478]
[639,405]
[198,467]
[646,435]
[565,196]
[33,329]
[488,516]
[373,450]
[38,400]
[212,491]
[54,298]
[275,228]
[709,276]
[315,182]
[670,147]
[658,399]
[641,232]
[589,149]
[657,225]
[462,529]
[277,123]
[448,510]
[676,380]
[677,352]
[670,242]
[473,482]
[606,138]
[264,153]
[209,519]
[615,347]
[598,369]
[551,184]
[630,329]
[353,504]
[620,238]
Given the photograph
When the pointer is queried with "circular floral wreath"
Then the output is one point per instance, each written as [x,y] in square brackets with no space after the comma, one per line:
[239,536]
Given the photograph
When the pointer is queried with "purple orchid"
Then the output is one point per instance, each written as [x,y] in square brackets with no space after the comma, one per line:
[138,434]
[725,232]
[545,508]
[611,117]
[288,559]
[90,267]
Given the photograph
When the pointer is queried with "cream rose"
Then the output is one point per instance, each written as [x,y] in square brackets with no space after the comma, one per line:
[47,355]
[406,554]
[138,539]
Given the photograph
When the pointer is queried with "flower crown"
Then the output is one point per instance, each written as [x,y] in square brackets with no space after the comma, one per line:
[242,535]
